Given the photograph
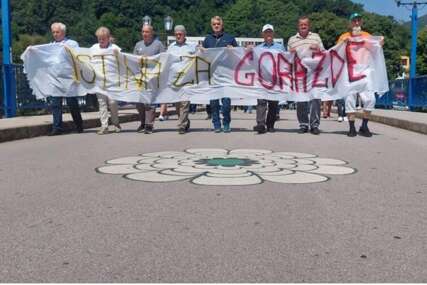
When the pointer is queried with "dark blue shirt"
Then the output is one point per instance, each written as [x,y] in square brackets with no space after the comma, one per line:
[220,40]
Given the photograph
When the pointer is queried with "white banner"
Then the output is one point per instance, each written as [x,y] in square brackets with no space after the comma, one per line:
[243,75]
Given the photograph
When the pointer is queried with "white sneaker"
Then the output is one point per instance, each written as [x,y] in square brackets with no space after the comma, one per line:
[161,118]
[345,119]
[117,129]
[340,119]
[102,131]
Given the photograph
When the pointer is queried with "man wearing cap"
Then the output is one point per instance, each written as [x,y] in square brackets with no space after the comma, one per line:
[148,46]
[308,113]
[218,38]
[368,98]
[265,121]
[181,48]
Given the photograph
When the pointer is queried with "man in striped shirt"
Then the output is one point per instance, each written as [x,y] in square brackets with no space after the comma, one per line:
[308,113]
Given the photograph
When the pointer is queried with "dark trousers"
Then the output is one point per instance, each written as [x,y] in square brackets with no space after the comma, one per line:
[262,116]
[308,113]
[73,105]
[208,110]
[341,107]
[147,113]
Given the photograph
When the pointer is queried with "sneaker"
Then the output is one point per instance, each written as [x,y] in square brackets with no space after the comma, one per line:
[141,128]
[365,132]
[315,131]
[340,119]
[182,131]
[227,129]
[161,118]
[352,133]
[79,129]
[102,131]
[148,129]
[302,130]
[217,130]
[117,129]
[260,129]
[55,133]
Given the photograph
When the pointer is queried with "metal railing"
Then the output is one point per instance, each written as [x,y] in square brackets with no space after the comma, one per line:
[397,97]
[27,103]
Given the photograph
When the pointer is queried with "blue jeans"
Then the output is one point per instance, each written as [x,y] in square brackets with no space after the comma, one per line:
[226,109]
[73,105]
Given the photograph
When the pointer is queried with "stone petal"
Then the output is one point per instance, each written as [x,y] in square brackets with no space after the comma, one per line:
[296,178]
[146,167]
[207,151]
[125,160]
[230,171]
[164,154]
[297,154]
[333,170]
[117,169]
[276,173]
[328,161]
[227,181]
[154,176]
[304,167]
[250,152]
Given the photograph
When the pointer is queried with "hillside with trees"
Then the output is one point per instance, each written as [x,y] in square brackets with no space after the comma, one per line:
[243,18]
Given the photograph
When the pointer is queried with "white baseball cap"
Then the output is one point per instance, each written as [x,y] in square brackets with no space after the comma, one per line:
[267,27]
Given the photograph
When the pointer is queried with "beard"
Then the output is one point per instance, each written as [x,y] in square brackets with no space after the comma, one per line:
[356,31]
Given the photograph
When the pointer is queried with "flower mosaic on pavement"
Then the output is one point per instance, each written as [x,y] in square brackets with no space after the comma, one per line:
[211,166]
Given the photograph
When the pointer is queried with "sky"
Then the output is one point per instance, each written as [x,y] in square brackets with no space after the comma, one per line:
[389,7]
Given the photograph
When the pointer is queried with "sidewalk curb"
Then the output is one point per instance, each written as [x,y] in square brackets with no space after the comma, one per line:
[398,123]
[18,133]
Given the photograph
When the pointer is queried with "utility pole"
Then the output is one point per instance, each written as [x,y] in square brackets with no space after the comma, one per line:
[9,83]
[413,68]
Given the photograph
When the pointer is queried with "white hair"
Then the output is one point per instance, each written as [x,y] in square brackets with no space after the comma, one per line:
[59,25]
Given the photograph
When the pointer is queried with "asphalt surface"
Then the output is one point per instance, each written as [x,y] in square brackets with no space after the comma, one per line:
[63,222]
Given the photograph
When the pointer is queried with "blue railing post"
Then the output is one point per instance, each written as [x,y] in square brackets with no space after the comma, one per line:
[9,82]
[413,69]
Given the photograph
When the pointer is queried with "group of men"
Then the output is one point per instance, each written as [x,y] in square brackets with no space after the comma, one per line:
[308,113]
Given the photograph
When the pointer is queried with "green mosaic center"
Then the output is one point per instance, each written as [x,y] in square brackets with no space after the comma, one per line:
[227,161]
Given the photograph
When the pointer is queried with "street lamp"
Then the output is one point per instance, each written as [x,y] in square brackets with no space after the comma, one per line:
[168,22]
[146,20]
[413,67]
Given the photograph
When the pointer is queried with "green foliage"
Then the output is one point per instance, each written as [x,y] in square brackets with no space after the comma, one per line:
[32,19]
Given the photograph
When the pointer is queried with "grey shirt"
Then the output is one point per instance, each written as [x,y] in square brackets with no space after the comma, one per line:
[153,48]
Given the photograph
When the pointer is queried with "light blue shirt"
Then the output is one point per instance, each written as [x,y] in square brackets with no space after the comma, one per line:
[183,49]
[274,45]
[68,43]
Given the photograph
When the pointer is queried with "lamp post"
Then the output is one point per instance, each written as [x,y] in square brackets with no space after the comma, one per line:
[413,64]
[146,20]
[9,83]
[168,23]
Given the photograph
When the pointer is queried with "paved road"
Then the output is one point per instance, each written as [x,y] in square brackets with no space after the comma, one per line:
[63,222]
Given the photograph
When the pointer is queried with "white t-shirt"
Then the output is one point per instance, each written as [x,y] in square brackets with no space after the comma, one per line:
[96,47]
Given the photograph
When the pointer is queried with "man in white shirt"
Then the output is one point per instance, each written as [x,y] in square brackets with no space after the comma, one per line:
[181,47]
[58,33]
